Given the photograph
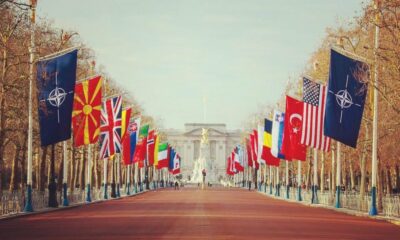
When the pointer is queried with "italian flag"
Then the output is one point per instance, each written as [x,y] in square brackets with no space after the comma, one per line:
[163,153]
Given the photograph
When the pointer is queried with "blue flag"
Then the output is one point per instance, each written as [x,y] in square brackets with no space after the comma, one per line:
[56,83]
[171,159]
[345,98]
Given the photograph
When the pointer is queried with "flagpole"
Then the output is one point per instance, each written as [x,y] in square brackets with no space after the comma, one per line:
[338,172]
[89,175]
[118,175]
[270,180]
[65,175]
[373,210]
[277,185]
[105,166]
[299,181]
[28,204]
[287,179]
[128,180]
[314,199]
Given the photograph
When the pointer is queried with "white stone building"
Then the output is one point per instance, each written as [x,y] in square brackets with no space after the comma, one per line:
[187,144]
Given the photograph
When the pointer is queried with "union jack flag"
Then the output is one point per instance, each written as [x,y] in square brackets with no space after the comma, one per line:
[110,127]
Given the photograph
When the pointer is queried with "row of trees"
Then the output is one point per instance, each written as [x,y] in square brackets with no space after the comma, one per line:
[14,86]
[356,38]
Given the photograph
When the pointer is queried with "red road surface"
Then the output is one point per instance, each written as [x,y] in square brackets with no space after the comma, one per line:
[195,214]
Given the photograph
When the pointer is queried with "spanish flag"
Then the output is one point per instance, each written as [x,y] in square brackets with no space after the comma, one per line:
[86,111]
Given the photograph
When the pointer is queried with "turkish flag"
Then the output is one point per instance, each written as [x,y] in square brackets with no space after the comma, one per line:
[291,146]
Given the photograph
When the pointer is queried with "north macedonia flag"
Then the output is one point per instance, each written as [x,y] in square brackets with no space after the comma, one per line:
[86,112]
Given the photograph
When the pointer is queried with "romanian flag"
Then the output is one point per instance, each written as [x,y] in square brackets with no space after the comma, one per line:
[266,152]
[86,111]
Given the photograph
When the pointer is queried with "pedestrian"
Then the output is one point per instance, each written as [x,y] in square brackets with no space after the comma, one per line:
[249,185]
[176,185]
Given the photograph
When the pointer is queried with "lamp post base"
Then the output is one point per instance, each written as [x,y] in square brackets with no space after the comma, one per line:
[28,203]
[373,210]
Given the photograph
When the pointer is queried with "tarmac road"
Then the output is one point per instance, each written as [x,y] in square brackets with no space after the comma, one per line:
[190,213]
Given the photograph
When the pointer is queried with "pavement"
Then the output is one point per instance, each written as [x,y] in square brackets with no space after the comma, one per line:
[191,213]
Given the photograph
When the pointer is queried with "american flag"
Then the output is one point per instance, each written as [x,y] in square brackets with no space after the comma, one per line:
[110,127]
[314,97]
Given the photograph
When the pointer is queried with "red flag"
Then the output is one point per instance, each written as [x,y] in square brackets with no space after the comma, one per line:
[249,153]
[229,167]
[291,146]
[254,147]
[140,152]
[238,164]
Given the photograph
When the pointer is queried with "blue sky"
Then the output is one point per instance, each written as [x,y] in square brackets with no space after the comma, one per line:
[171,54]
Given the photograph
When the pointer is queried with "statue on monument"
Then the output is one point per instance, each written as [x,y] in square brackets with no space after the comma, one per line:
[204,136]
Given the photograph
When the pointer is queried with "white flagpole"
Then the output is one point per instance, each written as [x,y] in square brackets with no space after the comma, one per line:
[28,205]
[338,173]
[128,180]
[89,175]
[314,198]
[270,180]
[287,179]
[65,174]
[277,193]
[118,162]
[373,210]
[299,181]
[105,166]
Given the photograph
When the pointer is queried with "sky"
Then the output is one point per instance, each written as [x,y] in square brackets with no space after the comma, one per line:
[173,56]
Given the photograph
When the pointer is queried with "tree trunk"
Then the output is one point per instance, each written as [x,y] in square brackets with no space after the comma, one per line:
[82,171]
[42,174]
[333,171]
[380,178]
[322,172]
[352,181]
[14,170]
[388,181]
[308,177]
[397,170]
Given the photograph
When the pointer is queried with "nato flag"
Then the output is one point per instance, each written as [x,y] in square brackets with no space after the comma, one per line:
[345,98]
[56,83]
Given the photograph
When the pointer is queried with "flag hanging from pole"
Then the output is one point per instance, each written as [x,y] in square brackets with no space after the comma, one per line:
[312,134]
[126,116]
[56,79]
[163,155]
[127,149]
[155,153]
[87,110]
[110,127]
[345,101]
[291,146]
[249,153]
[277,134]
[266,154]
[150,148]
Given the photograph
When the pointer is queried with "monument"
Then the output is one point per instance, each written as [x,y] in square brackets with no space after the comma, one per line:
[203,164]
[203,146]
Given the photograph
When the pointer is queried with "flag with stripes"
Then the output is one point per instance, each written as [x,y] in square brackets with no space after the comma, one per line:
[110,127]
[314,98]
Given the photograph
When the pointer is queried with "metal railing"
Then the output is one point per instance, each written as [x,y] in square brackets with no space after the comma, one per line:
[14,202]
[348,200]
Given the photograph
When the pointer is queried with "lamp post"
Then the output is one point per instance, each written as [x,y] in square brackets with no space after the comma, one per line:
[373,210]
[28,203]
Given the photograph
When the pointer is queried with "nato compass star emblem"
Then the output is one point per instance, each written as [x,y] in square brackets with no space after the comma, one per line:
[57,97]
[344,99]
